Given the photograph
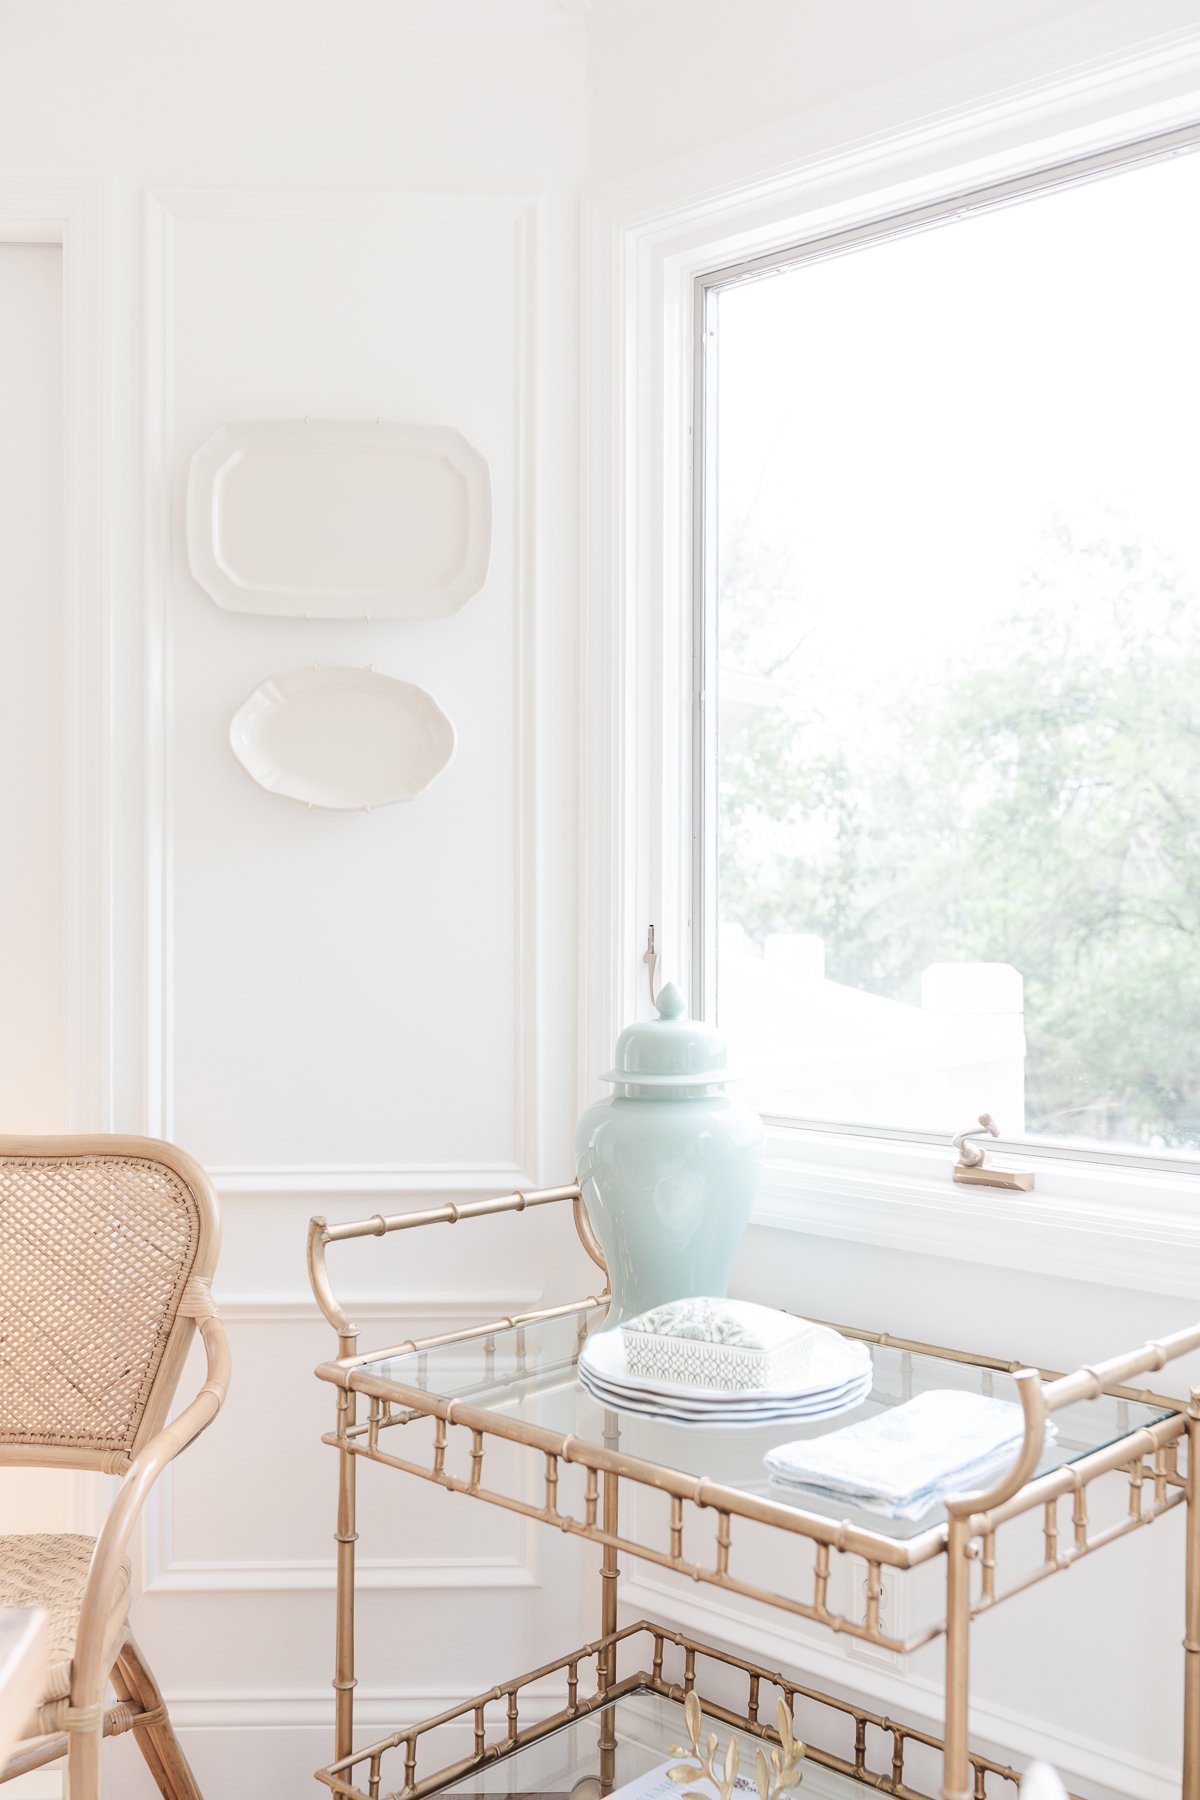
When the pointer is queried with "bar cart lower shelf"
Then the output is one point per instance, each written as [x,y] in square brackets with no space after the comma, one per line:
[496,1412]
[606,1736]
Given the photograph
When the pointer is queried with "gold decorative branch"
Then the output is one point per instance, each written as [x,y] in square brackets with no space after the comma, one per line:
[772,1777]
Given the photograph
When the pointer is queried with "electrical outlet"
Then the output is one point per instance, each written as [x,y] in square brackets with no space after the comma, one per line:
[893,1614]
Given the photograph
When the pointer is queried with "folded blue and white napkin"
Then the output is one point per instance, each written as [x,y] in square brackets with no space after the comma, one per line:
[903,1461]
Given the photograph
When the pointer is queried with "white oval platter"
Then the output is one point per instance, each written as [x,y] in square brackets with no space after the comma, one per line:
[330,519]
[341,738]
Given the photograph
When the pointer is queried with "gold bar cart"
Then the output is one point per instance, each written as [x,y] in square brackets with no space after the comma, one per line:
[445,1400]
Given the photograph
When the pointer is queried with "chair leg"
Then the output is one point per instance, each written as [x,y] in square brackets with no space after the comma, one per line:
[157,1742]
[125,1690]
[83,1765]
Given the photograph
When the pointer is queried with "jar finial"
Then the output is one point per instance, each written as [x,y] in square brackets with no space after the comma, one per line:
[670,1002]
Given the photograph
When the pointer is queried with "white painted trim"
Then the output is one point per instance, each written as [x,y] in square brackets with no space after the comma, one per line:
[1101,1224]
[526,220]
[1101,1770]
[158,396]
[607,672]
[404,1314]
[645,241]
[327,1183]
[289,1709]
[72,214]
[163,209]
[461,1309]
[371,1575]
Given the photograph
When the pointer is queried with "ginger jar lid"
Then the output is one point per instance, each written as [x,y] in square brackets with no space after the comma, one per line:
[670,1051]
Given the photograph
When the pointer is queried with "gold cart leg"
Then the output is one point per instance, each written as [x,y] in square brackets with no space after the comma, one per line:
[346,1537]
[1191,1631]
[956,1767]
[609,1577]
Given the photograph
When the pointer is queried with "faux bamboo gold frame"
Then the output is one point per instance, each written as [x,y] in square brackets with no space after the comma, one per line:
[654,1645]
[1148,1456]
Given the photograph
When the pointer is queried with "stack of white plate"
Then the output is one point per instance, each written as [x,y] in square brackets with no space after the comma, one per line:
[837,1376]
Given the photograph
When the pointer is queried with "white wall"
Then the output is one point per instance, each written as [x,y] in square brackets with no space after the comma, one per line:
[674,78]
[339,1013]
[346,212]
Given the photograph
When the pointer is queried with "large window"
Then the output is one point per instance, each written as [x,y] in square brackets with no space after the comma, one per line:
[948,769]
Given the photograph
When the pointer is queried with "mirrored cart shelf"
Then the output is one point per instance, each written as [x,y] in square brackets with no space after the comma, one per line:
[527,1375]
[604,1740]
[497,1412]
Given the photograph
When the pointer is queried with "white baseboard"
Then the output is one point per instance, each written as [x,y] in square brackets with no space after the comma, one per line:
[265,1744]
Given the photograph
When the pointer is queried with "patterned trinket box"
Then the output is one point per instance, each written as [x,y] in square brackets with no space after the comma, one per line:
[732,1345]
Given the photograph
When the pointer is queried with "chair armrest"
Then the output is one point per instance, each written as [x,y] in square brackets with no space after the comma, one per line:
[88,1674]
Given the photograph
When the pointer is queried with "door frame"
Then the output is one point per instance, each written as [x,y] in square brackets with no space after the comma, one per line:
[73,215]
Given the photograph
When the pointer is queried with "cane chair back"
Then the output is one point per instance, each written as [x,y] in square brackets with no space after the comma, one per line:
[107,1247]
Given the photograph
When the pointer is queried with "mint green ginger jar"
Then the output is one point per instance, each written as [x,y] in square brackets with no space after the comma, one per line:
[669,1165]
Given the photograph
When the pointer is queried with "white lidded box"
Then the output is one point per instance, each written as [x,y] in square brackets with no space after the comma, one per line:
[732,1345]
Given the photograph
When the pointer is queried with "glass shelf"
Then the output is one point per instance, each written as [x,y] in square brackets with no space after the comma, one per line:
[567,1763]
[500,1414]
[528,1373]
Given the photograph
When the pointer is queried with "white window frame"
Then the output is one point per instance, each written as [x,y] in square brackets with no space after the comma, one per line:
[647,245]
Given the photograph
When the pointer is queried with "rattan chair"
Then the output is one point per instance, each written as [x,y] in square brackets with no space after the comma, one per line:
[107,1249]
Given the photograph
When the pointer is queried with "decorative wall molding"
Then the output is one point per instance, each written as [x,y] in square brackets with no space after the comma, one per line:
[164,211]
[73,215]
[405,1314]
[417,1311]
[312,1708]
[373,1574]
[324,1183]
[1095,1768]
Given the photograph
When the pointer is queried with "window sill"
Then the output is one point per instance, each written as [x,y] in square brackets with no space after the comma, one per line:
[1115,1227]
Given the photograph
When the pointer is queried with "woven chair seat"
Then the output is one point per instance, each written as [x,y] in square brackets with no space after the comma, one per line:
[49,1569]
[108,1246]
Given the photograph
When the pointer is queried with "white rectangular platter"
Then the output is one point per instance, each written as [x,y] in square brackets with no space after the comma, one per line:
[330,519]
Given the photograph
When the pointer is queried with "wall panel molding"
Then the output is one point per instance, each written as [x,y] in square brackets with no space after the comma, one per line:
[164,212]
[374,1575]
[275,1326]
[73,215]
[346,1184]
[312,1708]
[166,1573]
[418,1311]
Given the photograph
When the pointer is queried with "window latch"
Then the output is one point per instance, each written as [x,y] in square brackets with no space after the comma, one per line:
[972,1166]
